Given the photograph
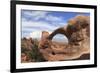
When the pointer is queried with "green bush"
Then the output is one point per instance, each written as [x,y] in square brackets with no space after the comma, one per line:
[35,54]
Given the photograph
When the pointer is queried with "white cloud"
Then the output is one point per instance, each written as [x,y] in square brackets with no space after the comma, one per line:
[49,22]
[54,18]
[40,24]
[36,34]
[36,15]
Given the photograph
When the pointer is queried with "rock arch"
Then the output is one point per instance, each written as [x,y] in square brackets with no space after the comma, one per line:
[71,50]
[58,31]
[75,25]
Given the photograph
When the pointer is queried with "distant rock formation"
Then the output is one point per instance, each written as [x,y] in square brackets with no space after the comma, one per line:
[27,43]
[44,40]
[30,51]
[77,31]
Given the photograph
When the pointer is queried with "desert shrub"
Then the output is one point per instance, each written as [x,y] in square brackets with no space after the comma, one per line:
[35,54]
[23,48]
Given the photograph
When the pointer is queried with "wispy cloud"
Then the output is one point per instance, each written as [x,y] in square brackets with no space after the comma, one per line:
[54,18]
[36,34]
[46,16]
[33,25]
[30,27]
[34,22]
[33,15]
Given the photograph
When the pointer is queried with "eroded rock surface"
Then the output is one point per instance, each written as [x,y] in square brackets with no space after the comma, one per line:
[79,41]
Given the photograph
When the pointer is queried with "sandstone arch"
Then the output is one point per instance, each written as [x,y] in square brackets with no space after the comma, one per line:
[75,25]
[58,31]
[51,52]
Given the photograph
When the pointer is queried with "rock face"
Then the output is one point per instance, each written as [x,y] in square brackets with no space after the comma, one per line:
[29,51]
[44,40]
[75,25]
[77,31]
[27,43]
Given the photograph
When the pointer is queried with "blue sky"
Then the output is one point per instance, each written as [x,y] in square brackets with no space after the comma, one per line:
[34,22]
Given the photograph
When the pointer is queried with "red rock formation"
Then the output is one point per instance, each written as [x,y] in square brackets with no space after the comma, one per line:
[77,32]
[44,40]
[27,43]
[24,58]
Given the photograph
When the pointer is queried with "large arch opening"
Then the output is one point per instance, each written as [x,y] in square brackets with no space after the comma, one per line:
[59,35]
[60,38]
